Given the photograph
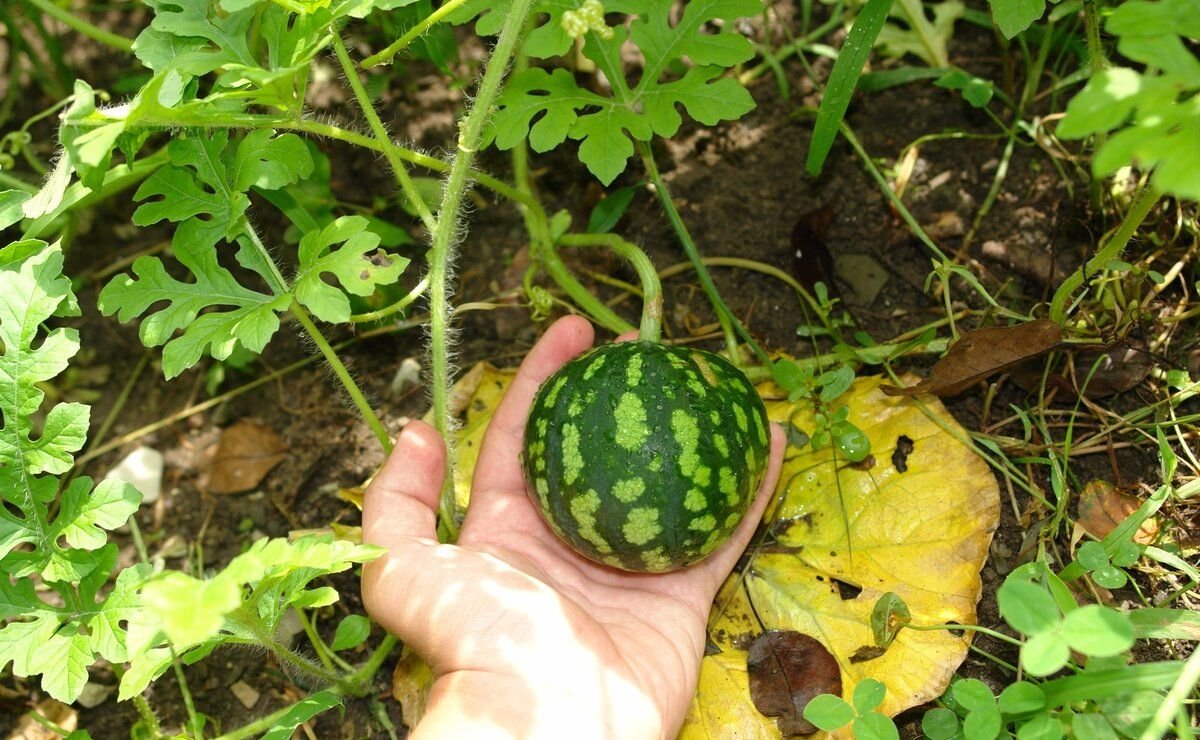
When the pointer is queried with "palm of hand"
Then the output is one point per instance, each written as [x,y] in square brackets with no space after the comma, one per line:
[512,607]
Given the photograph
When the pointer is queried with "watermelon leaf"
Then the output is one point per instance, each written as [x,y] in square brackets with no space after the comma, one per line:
[549,107]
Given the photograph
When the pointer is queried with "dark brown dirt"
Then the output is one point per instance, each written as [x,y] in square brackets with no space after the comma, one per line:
[741,188]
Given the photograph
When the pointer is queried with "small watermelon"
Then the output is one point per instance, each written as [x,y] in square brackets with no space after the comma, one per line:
[645,457]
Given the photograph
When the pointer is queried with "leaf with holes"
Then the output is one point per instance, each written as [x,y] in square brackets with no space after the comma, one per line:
[356,264]
[858,532]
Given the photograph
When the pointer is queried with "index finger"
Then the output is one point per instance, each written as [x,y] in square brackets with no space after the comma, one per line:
[498,469]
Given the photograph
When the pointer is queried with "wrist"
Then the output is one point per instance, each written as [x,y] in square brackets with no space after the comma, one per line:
[486,705]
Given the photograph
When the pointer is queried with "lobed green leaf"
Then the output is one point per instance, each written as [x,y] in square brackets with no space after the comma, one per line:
[549,107]
[357,265]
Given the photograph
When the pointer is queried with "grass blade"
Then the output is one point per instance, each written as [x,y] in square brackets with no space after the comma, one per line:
[844,78]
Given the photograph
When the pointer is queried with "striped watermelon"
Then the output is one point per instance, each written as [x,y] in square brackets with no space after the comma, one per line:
[645,457]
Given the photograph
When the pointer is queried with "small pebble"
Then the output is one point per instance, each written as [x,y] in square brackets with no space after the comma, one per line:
[245,693]
[143,469]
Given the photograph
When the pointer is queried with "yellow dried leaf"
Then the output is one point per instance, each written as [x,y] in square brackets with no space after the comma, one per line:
[722,707]
[476,395]
[922,534]
[411,681]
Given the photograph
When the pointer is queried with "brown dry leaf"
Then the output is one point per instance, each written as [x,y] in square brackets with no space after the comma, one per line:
[787,669]
[981,353]
[247,452]
[1102,507]
[722,707]
[1118,369]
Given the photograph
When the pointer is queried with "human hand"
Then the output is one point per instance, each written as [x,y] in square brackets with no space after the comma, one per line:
[525,637]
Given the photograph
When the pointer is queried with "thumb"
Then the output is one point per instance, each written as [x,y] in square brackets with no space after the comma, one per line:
[401,502]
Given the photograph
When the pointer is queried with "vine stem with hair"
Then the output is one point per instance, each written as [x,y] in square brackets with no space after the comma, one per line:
[441,255]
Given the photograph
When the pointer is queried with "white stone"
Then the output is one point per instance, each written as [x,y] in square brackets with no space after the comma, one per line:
[143,469]
[94,694]
[407,376]
[245,693]
[288,627]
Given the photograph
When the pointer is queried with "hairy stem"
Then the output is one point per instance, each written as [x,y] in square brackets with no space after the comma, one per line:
[359,682]
[651,327]
[188,705]
[401,43]
[441,255]
[279,286]
[339,369]
[542,249]
[381,135]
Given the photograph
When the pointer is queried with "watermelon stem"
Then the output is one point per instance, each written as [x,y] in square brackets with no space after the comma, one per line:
[541,243]
[651,326]
[442,252]
[729,322]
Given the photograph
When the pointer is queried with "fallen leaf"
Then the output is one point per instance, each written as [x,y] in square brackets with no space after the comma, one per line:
[354,495]
[476,395]
[1102,507]
[247,452]
[1118,368]
[787,669]
[857,535]
[722,707]
[411,681]
[981,353]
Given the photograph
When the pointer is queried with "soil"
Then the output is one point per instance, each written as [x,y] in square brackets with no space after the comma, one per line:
[741,189]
